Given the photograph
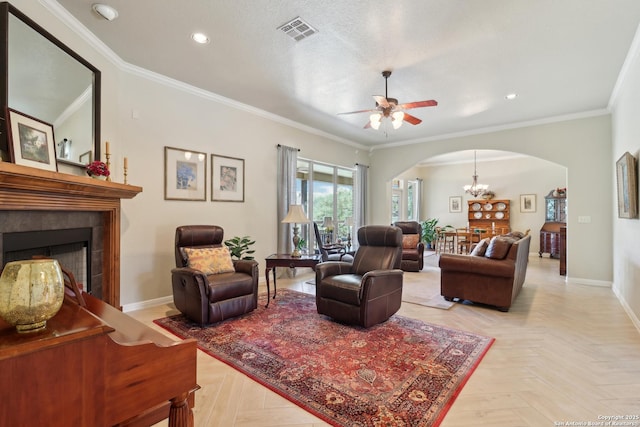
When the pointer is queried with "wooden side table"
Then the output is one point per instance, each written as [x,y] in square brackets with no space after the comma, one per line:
[286,260]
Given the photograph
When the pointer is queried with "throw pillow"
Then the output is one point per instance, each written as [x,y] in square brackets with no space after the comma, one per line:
[498,247]
[410,241]
[210,260]
[480,248]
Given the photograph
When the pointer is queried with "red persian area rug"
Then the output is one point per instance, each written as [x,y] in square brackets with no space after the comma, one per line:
[403,372]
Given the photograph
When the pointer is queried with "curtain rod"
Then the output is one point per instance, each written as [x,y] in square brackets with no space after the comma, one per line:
[279,145]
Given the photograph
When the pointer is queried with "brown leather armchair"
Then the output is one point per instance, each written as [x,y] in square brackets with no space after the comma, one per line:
[369,290]
[412,245]
[214,297]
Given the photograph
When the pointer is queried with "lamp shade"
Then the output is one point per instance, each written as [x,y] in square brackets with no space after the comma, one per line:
[295,215]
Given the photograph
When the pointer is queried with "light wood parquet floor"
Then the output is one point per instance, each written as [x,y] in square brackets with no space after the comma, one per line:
[564,353]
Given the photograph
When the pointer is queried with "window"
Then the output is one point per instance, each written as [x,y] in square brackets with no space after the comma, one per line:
[326,193]
[405,200]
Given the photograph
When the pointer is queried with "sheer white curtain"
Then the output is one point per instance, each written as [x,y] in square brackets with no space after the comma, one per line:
[418,199]
[360,198]
[287,164]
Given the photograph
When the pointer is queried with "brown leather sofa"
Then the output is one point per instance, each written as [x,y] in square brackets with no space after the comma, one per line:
[492,275]
[412,245]
[209,298]
[369,290]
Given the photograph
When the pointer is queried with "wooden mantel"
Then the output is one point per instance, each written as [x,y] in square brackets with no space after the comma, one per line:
[24,188]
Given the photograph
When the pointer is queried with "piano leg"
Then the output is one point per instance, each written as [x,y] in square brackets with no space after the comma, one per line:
[180,413]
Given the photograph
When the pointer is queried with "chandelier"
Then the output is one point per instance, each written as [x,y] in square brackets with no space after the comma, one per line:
[475,189]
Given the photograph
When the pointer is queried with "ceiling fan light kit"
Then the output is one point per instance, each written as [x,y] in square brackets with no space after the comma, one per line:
[389,107]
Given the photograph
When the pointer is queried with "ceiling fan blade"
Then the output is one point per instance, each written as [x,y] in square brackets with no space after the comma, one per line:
[381,100]
[359,111]
[411,119]
[418,104]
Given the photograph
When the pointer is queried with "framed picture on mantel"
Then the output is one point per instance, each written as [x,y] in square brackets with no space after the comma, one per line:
[31,141]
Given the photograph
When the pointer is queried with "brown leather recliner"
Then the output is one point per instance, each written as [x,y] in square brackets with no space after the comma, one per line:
[412,245]
[369,290]
[214,297]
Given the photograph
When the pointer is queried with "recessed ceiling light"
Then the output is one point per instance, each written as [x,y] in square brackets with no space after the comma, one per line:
[511,96]
[107,12]
[200,38]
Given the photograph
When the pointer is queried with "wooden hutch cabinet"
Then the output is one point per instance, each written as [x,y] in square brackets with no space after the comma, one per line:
[555,218]
[489,214]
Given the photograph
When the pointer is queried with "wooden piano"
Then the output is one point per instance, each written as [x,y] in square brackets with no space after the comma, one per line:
[95,366]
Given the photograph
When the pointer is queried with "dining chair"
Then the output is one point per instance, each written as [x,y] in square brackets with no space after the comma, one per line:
[464,240]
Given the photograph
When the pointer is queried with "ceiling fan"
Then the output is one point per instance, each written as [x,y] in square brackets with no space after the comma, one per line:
[389,107]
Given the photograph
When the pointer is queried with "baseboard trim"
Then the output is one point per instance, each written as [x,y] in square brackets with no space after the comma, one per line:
[588,282]
[627,308]
[165,300]
[147,304]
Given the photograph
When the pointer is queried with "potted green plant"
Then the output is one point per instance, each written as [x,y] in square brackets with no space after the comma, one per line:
[429,233]
[240,247]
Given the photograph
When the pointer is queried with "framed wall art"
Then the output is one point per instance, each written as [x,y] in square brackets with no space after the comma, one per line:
[455,204]
[527,203]
[185,174]
[227,179]
[31,141]
[627,179]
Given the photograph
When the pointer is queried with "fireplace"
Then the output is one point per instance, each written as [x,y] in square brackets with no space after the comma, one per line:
[34,200]
[73,247]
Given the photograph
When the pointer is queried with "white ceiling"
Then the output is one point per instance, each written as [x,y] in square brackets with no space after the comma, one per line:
[562,57]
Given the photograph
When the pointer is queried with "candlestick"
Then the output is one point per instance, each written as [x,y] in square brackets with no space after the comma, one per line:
[106,148]
[126,167]
[107,155]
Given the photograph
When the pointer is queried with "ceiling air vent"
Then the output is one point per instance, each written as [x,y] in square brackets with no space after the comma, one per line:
[297,29]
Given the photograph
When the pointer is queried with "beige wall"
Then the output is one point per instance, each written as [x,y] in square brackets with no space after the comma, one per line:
[626,137]
[171,117]
[508,178]
[170,114]
[583,146]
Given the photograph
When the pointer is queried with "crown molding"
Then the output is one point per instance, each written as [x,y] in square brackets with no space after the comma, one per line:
[632,55]
[76,26]
[491,129]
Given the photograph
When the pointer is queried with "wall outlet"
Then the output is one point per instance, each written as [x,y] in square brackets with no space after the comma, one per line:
[584,219]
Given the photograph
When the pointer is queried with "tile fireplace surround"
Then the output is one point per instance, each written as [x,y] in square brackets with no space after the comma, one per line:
[24,189]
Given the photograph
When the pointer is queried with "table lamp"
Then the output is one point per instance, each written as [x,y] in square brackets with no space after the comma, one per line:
[295,216]
[349,223]
[328,227]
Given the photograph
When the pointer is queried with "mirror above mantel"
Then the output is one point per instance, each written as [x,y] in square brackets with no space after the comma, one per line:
[47,80]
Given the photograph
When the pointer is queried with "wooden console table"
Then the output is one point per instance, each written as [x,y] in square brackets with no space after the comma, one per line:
[286,260]
[95,366]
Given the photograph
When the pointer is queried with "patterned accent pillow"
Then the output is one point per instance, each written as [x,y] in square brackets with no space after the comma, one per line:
[410,241]
[210,260]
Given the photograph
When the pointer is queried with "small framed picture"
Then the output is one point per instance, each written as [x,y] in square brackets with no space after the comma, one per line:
[227,179]
[626,179]
[527,203]
[85,158]
[184,174]
[31,141]
[455,204]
